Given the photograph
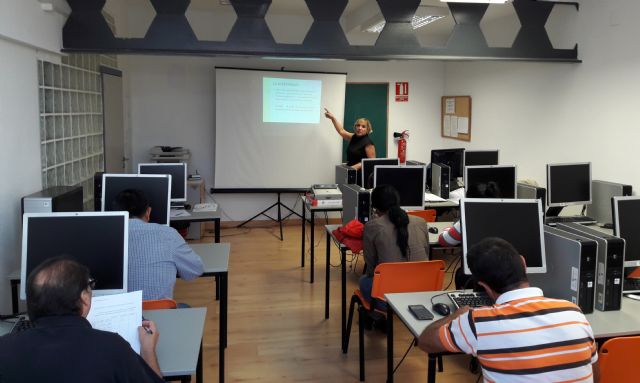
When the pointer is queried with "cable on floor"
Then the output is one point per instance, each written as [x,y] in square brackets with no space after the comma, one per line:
[414,342]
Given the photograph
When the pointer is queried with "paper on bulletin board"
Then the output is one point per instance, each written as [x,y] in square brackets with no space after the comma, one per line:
[447,126]
[463,125]
[454,126]
[450,106]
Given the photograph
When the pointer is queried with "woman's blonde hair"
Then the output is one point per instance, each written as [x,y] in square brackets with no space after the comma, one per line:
[365,122]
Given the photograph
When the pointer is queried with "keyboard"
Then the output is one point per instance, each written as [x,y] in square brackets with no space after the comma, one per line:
[571,218]
[473,299]
[23,324]
[631,285]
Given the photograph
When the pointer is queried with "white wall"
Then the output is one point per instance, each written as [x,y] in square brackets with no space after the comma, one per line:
[23,27]
[538,113]
[172,103]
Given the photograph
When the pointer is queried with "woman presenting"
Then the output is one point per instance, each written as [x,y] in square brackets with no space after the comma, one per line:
[360,144]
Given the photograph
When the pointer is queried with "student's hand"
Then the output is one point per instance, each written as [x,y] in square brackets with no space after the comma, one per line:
[148,334]
[328,114]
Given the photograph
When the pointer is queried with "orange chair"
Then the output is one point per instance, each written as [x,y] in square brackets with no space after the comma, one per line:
[428,215]
[159,304]
[618,360]
[393,277]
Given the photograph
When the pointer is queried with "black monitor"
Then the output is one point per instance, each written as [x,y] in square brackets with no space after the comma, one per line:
[497,181]
[368,164]
[453,158]
[626,225]
[98,240]
[568,184]
[518,221]
[409,181]
[178,172]
[156,188]
[480,157]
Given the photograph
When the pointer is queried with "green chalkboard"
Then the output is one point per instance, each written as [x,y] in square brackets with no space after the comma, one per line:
[368,101]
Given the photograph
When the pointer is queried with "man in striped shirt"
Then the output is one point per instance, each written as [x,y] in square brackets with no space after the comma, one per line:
[523,337]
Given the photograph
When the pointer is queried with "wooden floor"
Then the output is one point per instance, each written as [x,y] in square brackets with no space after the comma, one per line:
[277,330]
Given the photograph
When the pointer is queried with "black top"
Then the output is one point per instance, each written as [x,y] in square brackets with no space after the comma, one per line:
[66,349]
[355,150]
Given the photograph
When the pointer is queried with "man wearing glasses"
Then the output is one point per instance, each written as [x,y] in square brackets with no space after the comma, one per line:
[63,347]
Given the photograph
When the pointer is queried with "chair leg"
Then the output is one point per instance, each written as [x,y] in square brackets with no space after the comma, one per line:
[347,335]
[361,314]
[440,365]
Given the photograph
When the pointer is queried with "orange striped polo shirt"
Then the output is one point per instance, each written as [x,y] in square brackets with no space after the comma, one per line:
[526,337]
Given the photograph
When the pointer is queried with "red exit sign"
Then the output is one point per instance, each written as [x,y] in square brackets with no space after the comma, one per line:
[402,91]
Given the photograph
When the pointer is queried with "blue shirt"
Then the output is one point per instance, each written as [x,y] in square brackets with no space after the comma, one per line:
[156,254]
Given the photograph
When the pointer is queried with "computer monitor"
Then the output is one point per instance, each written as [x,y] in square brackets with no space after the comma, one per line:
[480,157]
[453,158]
[498,181]
[98,240]
[626,225]
[518,221]
[156,188]
[409,181]
[178,172]
[368,164]
[568,184]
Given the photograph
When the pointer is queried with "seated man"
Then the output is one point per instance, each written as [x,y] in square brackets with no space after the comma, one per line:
[156,252]
[63,347]
[524,337]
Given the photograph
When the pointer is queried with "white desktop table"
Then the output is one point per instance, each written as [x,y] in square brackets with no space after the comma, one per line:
[179,347]
[202,216]
[215,259]
[607,324]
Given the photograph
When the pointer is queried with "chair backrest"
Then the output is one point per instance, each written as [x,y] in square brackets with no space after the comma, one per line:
[407,277]
[618,360]
[159,304]
[428,215]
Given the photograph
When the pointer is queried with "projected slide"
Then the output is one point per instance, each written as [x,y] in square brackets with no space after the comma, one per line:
[291,100]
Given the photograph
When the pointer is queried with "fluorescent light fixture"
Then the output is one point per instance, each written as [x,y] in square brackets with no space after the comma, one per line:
[476,1]
[424,15]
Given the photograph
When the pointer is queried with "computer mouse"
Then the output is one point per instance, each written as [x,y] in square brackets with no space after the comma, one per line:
[441,308]
[433,230]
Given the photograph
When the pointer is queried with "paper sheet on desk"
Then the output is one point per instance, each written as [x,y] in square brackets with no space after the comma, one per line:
[119,313]
[178,213]
[429,197]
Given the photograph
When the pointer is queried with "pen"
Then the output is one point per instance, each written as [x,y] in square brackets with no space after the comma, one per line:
[146,329]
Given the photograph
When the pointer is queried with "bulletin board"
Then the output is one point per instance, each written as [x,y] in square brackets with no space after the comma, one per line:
[456,117]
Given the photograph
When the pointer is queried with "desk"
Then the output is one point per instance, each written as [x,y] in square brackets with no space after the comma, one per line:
[179,348]
[312,211]
[202,216]
[433,241]
[605,324]
[215,258]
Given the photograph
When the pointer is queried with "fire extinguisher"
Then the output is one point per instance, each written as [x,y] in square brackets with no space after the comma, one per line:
[402,145]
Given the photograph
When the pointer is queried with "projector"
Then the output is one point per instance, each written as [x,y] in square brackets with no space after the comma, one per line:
[326,191]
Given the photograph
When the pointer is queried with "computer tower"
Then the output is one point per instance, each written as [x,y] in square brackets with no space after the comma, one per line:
[346,175]
[602,192]
[526,191]
[609,268]
[571,268]
[356,204]
[97,191]
[440,180]
[54,199]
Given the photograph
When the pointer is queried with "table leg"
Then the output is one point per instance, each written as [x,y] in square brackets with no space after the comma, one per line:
[327,278]
[313,241]
[14,296]
[304,227]
[223,324]
[199,366]
[343,276]
[216,230]
[431,368]
[215,277]
[389,344]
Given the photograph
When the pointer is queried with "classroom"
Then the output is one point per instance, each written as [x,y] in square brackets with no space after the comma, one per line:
[535,111]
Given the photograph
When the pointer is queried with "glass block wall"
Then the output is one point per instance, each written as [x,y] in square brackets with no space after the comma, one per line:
[71,122]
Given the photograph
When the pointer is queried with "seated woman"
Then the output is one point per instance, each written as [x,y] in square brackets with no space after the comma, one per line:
[392,236]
